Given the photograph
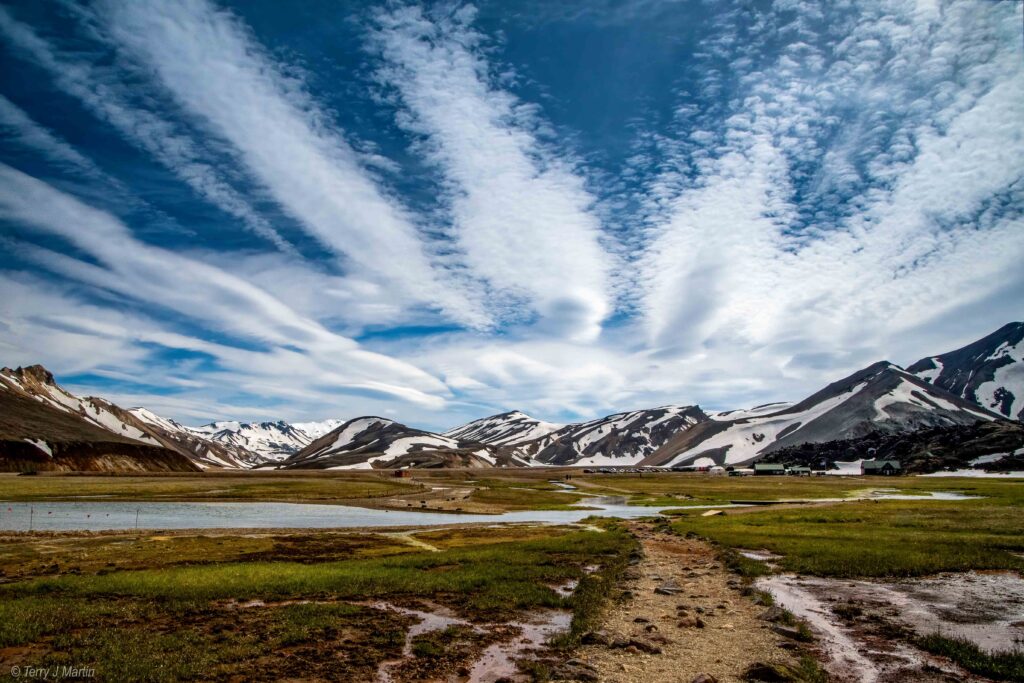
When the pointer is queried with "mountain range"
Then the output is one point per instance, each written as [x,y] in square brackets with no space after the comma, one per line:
[43,426]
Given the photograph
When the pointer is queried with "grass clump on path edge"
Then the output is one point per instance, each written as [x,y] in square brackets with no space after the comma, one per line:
[1001,666]
[592,593]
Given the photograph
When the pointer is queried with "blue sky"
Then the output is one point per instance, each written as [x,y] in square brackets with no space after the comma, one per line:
[437,212]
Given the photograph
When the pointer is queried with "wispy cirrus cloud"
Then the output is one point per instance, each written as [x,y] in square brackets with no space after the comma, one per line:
[521,213]
[292,344]
[213,67]
[862,181]
[809,188]
[109,100]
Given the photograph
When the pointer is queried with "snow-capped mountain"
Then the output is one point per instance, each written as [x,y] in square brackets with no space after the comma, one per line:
[989,372]
[271,440]
[503,429]
[206,452]
[367,442]
[317,429]
[43,426]
[882,397]
[619,439]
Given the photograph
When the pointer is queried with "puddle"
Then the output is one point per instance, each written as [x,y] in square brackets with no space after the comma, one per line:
[565,589]
[985,608]
[498,660]
[437,620]
[770,559]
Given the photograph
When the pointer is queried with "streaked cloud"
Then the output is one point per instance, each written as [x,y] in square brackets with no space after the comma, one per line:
[521,213]
[437,221]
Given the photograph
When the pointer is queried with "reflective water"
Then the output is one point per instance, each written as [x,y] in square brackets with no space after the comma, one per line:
[96,515]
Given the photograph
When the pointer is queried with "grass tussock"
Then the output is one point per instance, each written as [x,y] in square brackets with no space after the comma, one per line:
[1000,666]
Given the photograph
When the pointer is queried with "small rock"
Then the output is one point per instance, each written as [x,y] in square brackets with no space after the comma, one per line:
[641,620]
[765,673]
[596,638]
[644,646]
[773,614]
[575,670]
[704,678]
[651,628]
[788,632]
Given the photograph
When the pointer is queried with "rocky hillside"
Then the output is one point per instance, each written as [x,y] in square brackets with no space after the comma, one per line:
[37,435]
[619,439]
[881,397]
[986,445]
[376,442]
[273,441]
[989,372]
[139,425]
[503,429]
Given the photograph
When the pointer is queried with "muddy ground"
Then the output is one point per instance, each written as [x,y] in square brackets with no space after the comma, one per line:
[866,629]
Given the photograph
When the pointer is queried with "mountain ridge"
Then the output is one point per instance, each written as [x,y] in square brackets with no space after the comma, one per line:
[880,398]
[989,371]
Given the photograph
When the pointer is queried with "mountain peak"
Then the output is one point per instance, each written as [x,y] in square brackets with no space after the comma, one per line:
[989,371]
[34,372]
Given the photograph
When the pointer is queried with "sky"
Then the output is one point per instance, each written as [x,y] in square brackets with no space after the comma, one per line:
[437,212]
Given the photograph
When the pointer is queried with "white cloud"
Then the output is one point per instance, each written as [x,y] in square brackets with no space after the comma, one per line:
[109,101]
[209,62]
[522,216]
[911,148]
[299,347]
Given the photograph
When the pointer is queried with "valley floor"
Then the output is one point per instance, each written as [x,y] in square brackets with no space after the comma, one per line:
[662,599]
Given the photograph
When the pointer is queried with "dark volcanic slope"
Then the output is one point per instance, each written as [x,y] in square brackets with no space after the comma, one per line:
[926,450]
[881,397]
[34,436]
[989,372]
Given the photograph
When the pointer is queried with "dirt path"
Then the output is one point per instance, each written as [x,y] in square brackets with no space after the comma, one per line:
[707,627]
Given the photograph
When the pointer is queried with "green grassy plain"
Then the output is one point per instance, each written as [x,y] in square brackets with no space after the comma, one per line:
[291,487]
[177,618]
[883,538]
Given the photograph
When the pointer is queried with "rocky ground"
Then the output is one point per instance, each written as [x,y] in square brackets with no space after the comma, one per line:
[685,618]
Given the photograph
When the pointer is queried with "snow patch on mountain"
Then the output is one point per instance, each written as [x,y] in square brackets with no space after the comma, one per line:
[989,372]
[503,429]
[626,438]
